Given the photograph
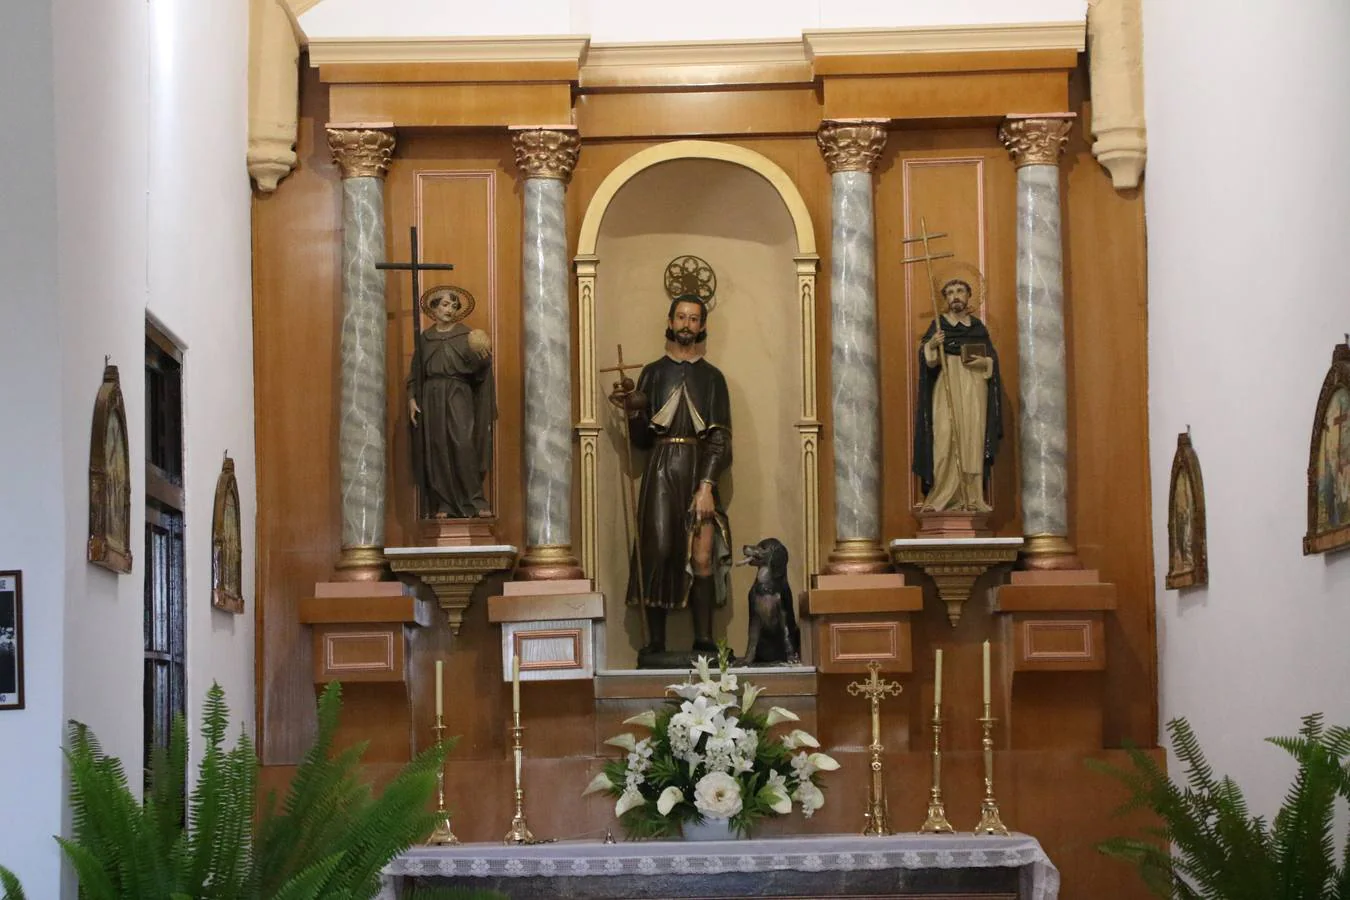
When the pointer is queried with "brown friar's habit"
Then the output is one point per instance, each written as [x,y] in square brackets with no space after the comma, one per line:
[686,427]
[452,442]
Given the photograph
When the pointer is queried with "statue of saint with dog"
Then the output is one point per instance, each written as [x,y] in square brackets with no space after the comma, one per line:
[680,412]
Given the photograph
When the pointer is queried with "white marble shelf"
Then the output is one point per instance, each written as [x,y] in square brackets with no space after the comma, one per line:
[472,550]
[972,543]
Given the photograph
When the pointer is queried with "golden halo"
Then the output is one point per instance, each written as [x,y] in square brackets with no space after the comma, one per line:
[960,271]
[466,301]
[692,275]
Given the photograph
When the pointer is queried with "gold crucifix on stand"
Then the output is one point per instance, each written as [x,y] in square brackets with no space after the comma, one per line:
[927,259]
[875,689]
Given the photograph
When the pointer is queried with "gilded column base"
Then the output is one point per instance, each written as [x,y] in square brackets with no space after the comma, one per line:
[858,557]
[553,562]
[362,564]
[1049,551]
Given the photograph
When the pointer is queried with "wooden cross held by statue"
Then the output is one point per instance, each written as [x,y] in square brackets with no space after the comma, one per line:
[416,267]
[630,495]
[927,258]
[875,690]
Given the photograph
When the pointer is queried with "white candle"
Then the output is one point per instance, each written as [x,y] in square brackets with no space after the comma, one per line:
[515,685]
[986,672]
[937,680]
[440,687]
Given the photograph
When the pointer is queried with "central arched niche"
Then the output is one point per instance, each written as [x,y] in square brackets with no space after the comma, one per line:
[734,218]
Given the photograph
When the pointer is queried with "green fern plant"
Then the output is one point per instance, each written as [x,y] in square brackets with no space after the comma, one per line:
[1209,845]
[328,840]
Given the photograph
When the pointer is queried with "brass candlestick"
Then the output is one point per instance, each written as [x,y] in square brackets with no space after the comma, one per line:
[936,823]
[990,822]
[441,835]
[875,820]
[520,832]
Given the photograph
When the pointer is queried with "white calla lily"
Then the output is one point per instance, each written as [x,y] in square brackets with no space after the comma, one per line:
[748,696]
[599,783]
[646,719]
[623,741]
[777,799]
[777,714]
[669,797]
[823,762]
[631,799]
[798,739]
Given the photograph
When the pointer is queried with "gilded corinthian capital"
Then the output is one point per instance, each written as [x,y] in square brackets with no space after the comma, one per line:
[546,152]
[852,145]
[1035,141]
[361,152]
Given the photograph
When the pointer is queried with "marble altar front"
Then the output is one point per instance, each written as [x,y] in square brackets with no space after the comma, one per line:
[908,865]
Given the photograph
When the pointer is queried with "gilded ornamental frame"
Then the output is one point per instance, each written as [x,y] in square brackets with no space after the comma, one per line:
[110,478]
[1330,535]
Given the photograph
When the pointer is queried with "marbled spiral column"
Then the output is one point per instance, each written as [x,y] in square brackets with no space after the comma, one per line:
[546,157]
[363,155]
[851,148]
[1035,144]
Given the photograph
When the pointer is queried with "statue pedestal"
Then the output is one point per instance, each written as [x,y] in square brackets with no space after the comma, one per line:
[452,573]
[856,619]
[457,532]
[951,524]
[1053,628]
[954,564]
[550,627]
[361,629]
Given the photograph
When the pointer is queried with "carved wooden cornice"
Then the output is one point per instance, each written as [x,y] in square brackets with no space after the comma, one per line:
[546,152]
[852,145]
[361,152]
[1036,141]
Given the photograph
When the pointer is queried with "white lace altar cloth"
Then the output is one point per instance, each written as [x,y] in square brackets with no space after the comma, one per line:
[826,853]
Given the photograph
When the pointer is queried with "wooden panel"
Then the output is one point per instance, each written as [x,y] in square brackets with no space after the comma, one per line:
[1055,597]
[848,643]
[336,610]
[358,653]
[781,111]
[549,606]
[982,61]
[451,105]
[638,685]
[1059,644]
[951,96]
[706,75]
[866,600]
[548,649]
[522,71]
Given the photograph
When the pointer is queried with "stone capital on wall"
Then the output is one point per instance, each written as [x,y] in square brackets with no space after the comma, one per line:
[361,151]
[1036,140]
[546,151]
[852,145]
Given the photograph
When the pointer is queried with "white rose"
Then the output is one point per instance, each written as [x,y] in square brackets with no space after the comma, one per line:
[669,797]
[717,795]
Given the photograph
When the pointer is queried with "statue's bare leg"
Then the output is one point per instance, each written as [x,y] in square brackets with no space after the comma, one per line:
[702,593]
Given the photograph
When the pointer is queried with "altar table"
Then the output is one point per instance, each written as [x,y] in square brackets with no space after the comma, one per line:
[906,865]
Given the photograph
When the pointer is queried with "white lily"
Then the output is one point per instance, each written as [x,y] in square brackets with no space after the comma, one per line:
[669,797]
[701,665]
[631,799]
[599,783]
[646,720]
[778,714]
[623,741]
[823,762]
[701,715]
[798,739]
[748,695]
[686,691]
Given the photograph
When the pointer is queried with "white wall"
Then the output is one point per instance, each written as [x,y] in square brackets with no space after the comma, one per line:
[32,525]
[125,192]
[1248,205]
[626,21]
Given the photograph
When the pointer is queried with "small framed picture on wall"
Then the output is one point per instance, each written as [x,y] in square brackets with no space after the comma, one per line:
[11,640]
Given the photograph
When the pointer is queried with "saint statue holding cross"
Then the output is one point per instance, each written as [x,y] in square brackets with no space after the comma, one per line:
[958,419]
[680,412]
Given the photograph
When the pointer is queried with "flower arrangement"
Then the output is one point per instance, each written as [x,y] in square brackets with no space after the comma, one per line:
[709,757]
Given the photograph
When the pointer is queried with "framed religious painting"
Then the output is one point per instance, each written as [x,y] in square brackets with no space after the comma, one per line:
[1187,553]
[1329,461]
[227,553]
[110,479]
[11,640]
